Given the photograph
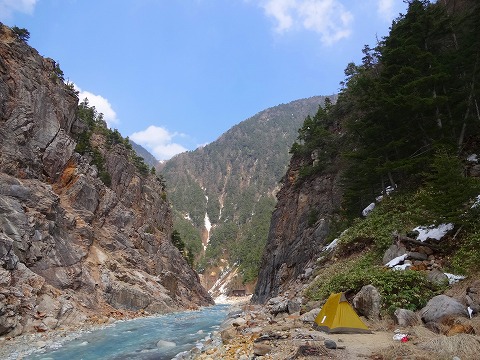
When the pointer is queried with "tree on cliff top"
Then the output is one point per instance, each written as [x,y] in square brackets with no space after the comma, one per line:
[22,33]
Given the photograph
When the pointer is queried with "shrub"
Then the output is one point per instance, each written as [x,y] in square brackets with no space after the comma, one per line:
[400,289]
[22,33]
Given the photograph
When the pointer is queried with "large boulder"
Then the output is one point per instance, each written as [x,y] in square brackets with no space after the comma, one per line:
[440,307]
[278,305]
[367,302]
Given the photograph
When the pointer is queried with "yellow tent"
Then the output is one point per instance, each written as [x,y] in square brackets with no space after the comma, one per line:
[338,316]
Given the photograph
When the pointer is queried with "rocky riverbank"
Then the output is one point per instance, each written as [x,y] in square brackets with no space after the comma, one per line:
[274,332]
[256,332]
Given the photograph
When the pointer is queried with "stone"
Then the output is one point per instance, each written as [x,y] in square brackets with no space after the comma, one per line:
[261,349]
[472,297]
[417,255]
[165,344]
[40,344]
[406,318]
[309,317]
[294,305]
[392,252]
[278,306]
[425,250]
[308,272]
[440,307]
[436,276]
[228,334]
[367,302]
[330,344]
[239,322]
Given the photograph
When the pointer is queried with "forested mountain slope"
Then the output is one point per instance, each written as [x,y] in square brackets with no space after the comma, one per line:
[403,137]
[231,184]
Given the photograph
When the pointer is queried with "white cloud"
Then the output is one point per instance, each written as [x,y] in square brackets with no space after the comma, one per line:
[159,141]
[281,10]
[385,9]
[8,7]
[101,104]
[329,18]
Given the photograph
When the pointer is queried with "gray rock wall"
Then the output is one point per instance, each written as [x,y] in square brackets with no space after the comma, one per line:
[299,226]
[71,249]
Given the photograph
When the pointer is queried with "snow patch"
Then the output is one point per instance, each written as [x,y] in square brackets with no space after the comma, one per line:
[473,158]
[402,267]
[476,203]
[331,246]
[368,209]
[452,279]
[432,231]
[396,261]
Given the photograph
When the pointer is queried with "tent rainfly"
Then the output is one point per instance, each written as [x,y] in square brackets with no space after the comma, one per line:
[338,316]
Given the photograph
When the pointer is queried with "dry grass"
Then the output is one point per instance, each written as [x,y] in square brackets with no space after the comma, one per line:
[427,345]
[441,347]
[475,322]
[404,351]
[464,346]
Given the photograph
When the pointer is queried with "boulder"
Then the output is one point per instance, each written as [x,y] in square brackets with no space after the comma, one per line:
[228,334]
[441,306]
[294,305]
[406,318]
[392,252]
[239,322]
[278,305]
[330,344]
[309,317]
[417,255]
[260,349]
[437,277]
[367,302]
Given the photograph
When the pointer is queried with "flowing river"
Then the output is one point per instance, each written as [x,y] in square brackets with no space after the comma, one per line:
[159,337]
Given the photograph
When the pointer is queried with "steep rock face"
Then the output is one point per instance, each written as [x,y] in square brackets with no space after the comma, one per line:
[299,226]
[72,249]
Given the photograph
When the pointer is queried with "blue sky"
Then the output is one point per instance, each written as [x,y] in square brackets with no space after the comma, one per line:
[176,74]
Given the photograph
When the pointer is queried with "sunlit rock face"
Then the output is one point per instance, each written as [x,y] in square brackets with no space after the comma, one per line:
[72,249]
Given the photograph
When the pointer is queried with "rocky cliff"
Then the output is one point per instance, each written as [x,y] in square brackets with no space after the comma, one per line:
[300,224]
[72,249]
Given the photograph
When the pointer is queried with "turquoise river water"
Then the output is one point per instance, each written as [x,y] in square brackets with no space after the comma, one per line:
[152,338]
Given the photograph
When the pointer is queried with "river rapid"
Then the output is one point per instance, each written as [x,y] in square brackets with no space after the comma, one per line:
[156,337]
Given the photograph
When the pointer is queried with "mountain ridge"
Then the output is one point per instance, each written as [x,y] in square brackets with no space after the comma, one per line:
[233,181]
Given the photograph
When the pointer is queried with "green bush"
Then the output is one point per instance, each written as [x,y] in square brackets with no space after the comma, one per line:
[467,257]
[399,289]
[22,33]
